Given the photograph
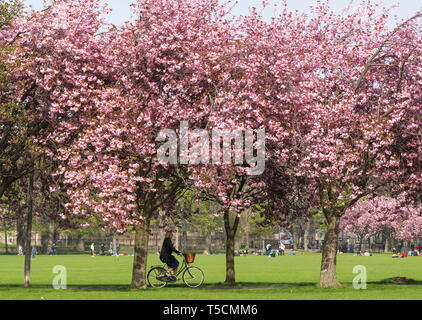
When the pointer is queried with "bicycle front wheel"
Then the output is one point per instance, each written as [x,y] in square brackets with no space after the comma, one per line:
[193,277]
[156,277]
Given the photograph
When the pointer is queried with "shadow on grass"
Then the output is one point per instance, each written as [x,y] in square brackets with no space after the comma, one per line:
[210,286]
[399,281]
[396,281]
[257,285]
[87,287]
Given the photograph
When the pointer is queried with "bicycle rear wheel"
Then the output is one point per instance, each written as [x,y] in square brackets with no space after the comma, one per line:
[193,277]
[156,277]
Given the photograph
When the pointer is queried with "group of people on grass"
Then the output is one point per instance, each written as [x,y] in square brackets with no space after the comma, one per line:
[396,253]
[403,254]
[280,251]
[364,254]
[269,252]
[34,251]
[103,252]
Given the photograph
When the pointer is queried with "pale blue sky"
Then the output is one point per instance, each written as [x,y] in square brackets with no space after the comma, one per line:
[121,9]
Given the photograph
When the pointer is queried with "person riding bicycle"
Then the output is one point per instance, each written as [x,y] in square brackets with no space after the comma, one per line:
[167,257]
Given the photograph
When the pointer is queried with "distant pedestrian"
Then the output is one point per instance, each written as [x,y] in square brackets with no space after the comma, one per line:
[317,239]
[34,252]
[20,250]
[92,250]
[281,248]
[53,249]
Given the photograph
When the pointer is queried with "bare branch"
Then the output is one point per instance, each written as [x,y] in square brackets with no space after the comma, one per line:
[375,55]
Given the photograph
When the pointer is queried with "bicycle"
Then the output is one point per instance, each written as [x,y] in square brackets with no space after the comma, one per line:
[193,276]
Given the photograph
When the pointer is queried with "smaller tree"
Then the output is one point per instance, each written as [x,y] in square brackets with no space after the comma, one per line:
[392,218]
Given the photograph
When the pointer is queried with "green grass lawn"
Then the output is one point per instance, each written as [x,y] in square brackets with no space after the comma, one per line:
[280,278]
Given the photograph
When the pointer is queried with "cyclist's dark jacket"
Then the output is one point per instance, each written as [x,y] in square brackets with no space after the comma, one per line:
[167,250]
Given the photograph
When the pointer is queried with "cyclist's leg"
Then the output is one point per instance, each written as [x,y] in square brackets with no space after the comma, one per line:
[176,264]
[169,271]
[173,266]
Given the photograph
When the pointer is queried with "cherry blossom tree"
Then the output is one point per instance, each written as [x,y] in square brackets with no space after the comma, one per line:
[338,96]
[167,63]
[341,103]
[368,217]
[53,65]
[394,218]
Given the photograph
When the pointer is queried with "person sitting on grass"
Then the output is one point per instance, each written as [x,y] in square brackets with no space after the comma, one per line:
[167,257]
[404,255]
[367,253]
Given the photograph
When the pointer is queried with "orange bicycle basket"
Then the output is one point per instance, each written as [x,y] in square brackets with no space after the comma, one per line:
[190,257]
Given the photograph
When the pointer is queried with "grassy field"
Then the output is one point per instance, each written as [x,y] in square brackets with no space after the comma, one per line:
[258,277]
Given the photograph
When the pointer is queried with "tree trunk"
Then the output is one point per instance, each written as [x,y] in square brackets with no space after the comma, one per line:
[20,229]
[44,241]
[52,232]
[387,247]
[140,256]
[295,235]
[208,240]
[230,243]
[114,243]
[28,232]
[80,247]
[5,241]
[373,246]
[47,237]
[161,240]
[301,243]
[184,237]
[306,235]
[328,276]
[177,240]
[230,272]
